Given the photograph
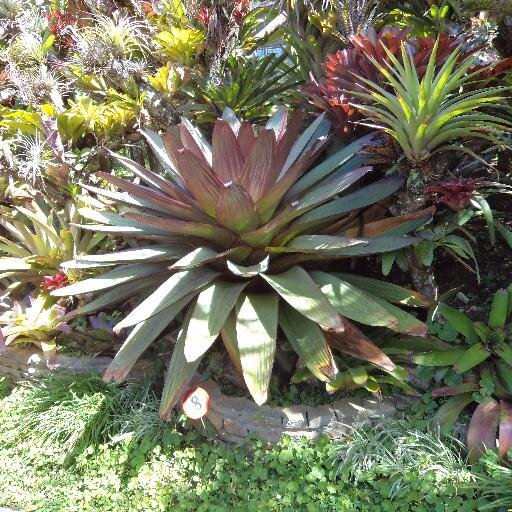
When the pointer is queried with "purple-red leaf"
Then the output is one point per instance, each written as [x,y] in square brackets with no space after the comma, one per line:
[200,179]
[458,389]
[353,342]
[235,209]
[162,201]
[285,143]
[269,202]
[505,435]
[259,171]
[152,178]
[246,138]
[207,231]
[482,428]
[228,160]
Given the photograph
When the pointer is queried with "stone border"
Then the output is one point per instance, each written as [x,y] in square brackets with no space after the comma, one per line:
[27,362]
[235,417]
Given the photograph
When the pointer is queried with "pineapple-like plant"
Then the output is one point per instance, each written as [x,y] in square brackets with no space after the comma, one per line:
[239,239]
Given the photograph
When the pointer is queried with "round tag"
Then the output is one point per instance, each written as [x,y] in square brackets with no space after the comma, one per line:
[195,403]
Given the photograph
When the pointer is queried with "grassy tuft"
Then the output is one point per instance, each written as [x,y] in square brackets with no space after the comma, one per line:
[397,450]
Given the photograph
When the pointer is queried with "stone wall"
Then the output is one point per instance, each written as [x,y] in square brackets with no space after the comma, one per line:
[26,362]
[235,417]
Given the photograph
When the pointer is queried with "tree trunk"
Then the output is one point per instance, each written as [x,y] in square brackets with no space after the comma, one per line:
[413,199]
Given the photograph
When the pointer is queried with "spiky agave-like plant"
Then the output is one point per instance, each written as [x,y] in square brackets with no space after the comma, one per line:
[433,113]
[233,238]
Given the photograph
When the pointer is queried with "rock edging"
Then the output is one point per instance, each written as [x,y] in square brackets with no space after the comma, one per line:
[26,363]
[235,417]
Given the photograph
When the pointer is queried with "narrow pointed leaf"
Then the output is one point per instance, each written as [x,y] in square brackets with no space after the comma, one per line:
[179,372]
[110,279]
[157,145]
[178,227]
[115,296]
[170,291]
[353,342]
[309,342]
[140,339]
[156,252]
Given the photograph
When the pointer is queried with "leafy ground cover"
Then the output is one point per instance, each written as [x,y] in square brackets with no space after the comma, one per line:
[81,445]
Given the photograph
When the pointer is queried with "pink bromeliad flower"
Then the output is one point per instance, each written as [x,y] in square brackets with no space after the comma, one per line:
[456,193]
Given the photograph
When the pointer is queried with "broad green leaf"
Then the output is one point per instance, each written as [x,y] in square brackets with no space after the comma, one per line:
[110,279]
[297,288]
[170,291]
[459,321]
[309,342]
[316,243]
[179,372]
[318,128]
[363,197]
[439,357]
[256,330]
[472,357]
[446,416]
[335,161]
[211,310]
[140,339]
[353,303]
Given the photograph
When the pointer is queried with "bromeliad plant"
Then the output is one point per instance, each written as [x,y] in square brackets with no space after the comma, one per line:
[41,238]
[232,240]
[484,367]
[34,320]
[431,114]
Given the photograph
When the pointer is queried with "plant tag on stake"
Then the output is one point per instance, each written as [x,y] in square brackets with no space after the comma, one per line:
[195,403]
